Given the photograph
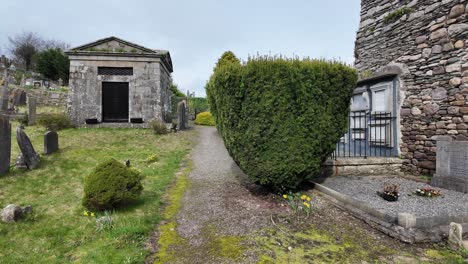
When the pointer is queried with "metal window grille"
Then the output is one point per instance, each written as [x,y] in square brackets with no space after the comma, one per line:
[368,135]
[121,71]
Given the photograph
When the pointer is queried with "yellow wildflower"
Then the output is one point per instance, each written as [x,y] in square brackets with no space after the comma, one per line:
[303,197]
[92,214]
[308,199]
[307,205]
[85,213]
[285,196]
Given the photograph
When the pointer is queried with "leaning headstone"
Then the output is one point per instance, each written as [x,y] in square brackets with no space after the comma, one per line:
[51,143]
[451,164]
[181,116]
[30,156]
[455,239]
[31,110]
[5,144]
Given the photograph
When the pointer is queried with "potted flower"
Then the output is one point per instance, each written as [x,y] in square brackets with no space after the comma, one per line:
[391,192]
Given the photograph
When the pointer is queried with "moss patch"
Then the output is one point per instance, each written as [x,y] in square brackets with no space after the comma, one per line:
[168,236]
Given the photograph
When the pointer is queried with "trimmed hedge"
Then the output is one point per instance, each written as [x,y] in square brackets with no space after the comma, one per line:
[110,185]
[281,118]
[205,119]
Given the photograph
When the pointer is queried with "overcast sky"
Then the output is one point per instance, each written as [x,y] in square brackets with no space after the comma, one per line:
[195,32]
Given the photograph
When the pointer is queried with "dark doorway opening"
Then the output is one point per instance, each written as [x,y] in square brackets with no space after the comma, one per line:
[115,102]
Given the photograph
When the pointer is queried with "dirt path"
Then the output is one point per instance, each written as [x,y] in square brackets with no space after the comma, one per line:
[222,218]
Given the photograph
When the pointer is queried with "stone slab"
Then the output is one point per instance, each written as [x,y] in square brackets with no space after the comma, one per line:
[29,155]
[51,142]
[452,164]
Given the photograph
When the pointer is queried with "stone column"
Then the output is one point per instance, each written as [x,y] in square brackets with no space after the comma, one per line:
[31,110]
[5,144]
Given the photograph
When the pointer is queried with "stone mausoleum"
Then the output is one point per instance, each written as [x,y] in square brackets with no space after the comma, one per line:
[412,57]
[116,81]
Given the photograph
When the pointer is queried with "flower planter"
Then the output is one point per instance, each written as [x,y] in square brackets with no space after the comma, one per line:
[389,197]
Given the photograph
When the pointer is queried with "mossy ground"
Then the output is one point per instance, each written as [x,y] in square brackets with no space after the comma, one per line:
[57,232]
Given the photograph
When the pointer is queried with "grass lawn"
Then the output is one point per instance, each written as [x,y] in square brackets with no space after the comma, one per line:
[57,231]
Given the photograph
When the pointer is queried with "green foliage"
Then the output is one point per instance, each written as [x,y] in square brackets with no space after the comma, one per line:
[175,90]
[198,104]
[53,64]
[24,120]
[397,14]
[110,185]
[281,118]
[159,128]
[226,58]
[205,119]
[54,121]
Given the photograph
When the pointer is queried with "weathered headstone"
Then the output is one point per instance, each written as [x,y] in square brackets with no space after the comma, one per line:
[4,93]
[60,82]
[31,110]
[5,144]
[51,143]
[181,116]
[23,81]
[12,213]
[455,239]
[451,164]
[29,155]
[18,97]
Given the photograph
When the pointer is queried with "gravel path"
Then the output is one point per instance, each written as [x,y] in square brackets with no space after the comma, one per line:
[219,201]
[365,188]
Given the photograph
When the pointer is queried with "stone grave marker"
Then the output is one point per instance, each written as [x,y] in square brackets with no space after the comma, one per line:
[5,144]
[31,110]
[51,143]
[23,81]
[451,164]
[29,156]
[4,93]
[181,116]
[60,82]
[18,97]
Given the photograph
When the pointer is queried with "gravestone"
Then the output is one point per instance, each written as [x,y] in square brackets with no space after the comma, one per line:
[29,155]
[23,81]
[4,93]
[181,116]
[455,239]
[31,110]
[5,144]
[18,97]
[51,143]
[451,164]
[60,82]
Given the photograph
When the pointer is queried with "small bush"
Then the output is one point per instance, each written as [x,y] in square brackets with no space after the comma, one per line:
[24,120]
[281,118]
[205,119]
[158,127]
[54,121]
[110,185]
[397,14]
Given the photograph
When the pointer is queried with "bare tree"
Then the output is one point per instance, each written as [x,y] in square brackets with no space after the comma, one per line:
[55,44]
[24,46]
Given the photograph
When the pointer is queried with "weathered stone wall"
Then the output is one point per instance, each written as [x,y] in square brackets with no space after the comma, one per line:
[145,87]
[427,43]
[49,98]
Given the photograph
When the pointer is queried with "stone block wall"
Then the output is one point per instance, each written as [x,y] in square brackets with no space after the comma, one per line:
[426,40]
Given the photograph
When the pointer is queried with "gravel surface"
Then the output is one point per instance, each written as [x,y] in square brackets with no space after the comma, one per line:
[364,189]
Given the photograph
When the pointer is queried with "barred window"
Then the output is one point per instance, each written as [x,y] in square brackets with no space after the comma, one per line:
[122,71]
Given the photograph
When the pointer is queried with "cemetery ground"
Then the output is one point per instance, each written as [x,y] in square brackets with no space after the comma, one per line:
[57,231]
[207,211]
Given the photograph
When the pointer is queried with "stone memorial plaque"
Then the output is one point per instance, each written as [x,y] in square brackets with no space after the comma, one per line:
[30,156]
[452,165]
[5,144]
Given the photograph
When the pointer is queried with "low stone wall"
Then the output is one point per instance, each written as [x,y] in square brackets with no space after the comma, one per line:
[49,98]
[362,167]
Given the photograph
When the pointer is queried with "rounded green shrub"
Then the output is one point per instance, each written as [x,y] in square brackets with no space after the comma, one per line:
[110,185]
[281,118]
[205,119]
[159,128]
[53,121]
